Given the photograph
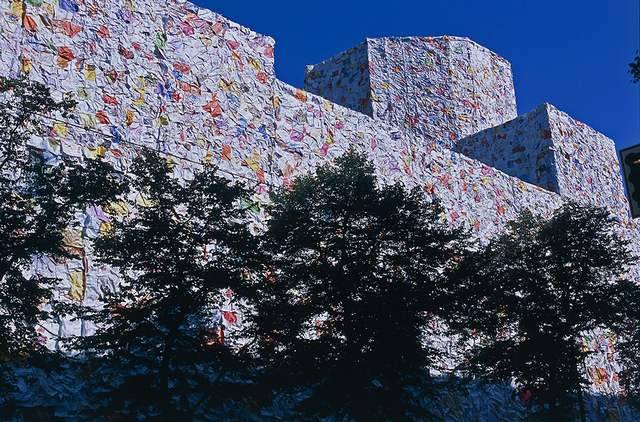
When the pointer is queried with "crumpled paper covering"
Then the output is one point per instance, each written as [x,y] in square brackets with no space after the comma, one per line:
[438,89]
[550,149]
[169,76]
[164,75]
[522,148]
[312,129]
[344,79]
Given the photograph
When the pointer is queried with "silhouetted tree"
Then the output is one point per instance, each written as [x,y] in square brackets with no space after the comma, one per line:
[159,344]
[530,294]
[355,273]
[629,343]
[37,202]
[634,69]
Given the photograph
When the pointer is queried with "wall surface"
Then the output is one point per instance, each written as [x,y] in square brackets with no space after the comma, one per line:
[433,113]
[550,149]
[521,147]
[343,79]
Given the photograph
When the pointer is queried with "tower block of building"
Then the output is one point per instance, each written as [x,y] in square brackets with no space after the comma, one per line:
[453,93]
[549,148]
[438,89]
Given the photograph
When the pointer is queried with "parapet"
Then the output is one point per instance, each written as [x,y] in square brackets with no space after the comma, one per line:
[439,89]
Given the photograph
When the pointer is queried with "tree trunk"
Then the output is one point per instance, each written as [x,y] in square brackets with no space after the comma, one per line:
[165,394]
[583,414]
[164,389]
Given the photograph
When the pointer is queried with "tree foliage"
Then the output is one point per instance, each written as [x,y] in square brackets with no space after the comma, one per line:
[530,294]
[180,251]
[38,201]
[634,69]
[354,276]
[629,343]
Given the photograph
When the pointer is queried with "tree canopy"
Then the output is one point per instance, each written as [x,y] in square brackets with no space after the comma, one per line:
[531,293]
[183,249]
[634,69]
[355,272]
[39,197]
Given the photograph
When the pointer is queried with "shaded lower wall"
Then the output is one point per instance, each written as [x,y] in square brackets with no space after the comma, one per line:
[65,394]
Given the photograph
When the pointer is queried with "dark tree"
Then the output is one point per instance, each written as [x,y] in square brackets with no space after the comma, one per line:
[629,343]
[159,344]
[529,295]
[37,202]
[634,69]
[356,272]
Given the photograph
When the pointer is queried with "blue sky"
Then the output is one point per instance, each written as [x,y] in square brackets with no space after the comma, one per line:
[573,54]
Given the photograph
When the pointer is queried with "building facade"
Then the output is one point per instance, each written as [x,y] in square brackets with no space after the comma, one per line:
[434,112]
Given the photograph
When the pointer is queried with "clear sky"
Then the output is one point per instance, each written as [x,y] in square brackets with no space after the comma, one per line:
[573,54]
